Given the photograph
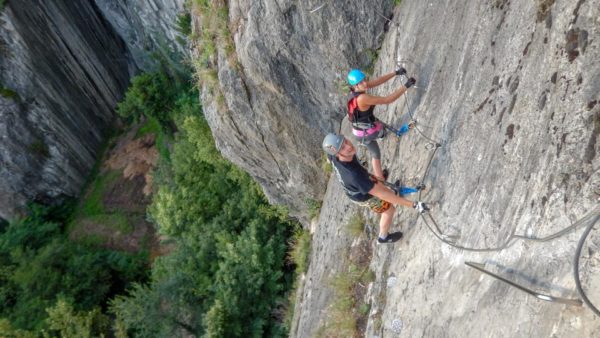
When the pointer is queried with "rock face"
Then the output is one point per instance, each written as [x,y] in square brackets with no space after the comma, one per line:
[510,89]
[145,26]
[286,90]
[66,69]
[64,66]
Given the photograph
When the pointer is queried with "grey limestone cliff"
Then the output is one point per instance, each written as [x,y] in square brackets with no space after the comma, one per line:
[64,66]
[146,26]
[510,89]
[285,89]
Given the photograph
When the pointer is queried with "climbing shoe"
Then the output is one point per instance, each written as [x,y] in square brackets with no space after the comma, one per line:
[390,238]
[386,174]
[421,186]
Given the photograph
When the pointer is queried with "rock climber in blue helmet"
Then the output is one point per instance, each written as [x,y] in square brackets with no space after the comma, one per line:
[365,126]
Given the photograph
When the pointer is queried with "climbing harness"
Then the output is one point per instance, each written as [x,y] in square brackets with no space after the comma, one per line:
[365,124]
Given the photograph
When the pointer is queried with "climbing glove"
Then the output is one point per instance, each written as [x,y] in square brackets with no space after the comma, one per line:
[400,71]
[411,82]
[420,207]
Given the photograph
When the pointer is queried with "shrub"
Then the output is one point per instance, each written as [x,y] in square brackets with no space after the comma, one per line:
[326,165]
[313,207]
[7,92]
[150,95]
[184,24]
[356,225]
[39,265]
[300,250]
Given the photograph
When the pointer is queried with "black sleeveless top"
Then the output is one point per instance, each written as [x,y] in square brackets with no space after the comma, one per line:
[366,116]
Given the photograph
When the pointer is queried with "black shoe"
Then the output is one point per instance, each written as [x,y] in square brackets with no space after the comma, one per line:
[421,186]
[391,238]
[386,173]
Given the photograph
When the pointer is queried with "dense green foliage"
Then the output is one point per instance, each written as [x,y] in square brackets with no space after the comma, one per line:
[225,275]
[300,249]
[63,319]
[184,23]
[152,126]
[160,98]
[39,266]
[150,95]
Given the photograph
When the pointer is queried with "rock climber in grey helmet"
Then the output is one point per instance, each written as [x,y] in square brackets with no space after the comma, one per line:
[363,189]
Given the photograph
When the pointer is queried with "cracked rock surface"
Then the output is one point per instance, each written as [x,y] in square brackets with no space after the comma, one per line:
[64,65]
[282,92]
[510,89]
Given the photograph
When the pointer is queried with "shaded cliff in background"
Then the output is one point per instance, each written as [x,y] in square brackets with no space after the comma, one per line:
[67,68]
[272,82]
[63,69]
[146,27]
[65,65]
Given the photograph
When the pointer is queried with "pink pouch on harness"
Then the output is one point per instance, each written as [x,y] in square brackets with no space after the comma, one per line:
[362,133]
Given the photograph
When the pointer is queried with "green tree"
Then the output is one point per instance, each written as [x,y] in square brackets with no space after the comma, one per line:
[215,321]
[8,330]
[140,311]
[151,95]
[38,265]
[225,274]
[67,322]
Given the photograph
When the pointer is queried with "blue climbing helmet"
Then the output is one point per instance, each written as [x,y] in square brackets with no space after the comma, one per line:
[355,76]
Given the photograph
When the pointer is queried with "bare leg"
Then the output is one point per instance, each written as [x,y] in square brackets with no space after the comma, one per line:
[385,221]
[377,171]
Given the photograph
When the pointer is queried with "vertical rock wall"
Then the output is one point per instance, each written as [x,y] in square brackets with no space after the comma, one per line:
[511,90]
[146,26]
[65,68]
[285,89]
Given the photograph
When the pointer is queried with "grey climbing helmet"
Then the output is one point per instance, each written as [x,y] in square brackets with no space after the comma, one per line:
[332,143]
